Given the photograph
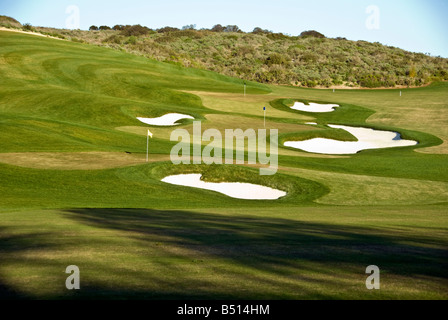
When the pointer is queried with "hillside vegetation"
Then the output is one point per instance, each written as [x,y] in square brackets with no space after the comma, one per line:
[309,59]
[9,22]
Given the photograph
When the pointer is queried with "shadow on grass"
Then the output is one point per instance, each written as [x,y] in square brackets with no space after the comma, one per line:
[10,247]
[275,246]
[267,258]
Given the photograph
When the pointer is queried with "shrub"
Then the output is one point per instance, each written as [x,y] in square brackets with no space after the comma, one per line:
[311,33]
[325,82]
[187,33]
[369,81]
[217,28]
[232,28]
[77,40]
[309,57]
[232,37]
[104,28]
[135,30]
[189,27]
[113,39]
[258,30]
[310,83]
[28,27]
[276,36]
[132,40]
[167,29]
[245,50]
[276,58]
[93,28]
[118,27]
[165,38]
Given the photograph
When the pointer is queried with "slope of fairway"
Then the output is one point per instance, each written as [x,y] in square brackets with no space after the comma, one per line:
[75,187]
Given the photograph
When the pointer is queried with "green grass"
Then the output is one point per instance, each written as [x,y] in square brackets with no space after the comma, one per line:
[135,237]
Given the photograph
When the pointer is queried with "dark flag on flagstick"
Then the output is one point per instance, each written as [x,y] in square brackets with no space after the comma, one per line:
[264,112]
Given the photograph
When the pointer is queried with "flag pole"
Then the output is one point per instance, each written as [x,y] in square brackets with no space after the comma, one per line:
[147,147]
[147,144]
[264,109]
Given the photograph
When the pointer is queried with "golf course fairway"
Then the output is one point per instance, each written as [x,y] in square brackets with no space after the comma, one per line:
[76,188]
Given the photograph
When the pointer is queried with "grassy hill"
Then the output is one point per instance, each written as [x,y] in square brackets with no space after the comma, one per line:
[9,22]
[75,187]
[307,60]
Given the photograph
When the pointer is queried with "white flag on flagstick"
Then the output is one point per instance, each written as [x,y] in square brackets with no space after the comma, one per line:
[147,144]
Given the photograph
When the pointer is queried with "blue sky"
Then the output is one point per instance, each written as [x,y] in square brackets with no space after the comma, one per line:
[415,25]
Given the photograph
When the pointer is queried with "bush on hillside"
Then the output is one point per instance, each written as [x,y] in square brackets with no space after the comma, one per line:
[311,33]
[218,28]
[259,30]
[113,39]
[93,28]
[118,27]
[28,27]
[187,33]
[276,36]
[232,28]
[132,40]
[77,40]
[167,29]
[135,30]
[276,58]
[189,27]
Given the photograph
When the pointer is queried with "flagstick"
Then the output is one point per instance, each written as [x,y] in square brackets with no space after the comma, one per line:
[265,117]
[147,147]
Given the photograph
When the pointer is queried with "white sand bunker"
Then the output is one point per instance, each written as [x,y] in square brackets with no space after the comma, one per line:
[238,190]
[314,107]
[169,119]
[367,139]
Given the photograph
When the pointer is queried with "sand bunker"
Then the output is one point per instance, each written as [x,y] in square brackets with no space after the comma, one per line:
[367,139]
[238,190]
[169,119]
[314,107]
